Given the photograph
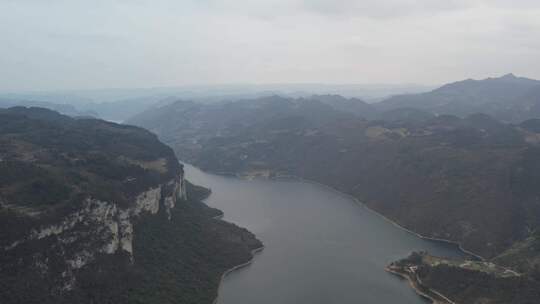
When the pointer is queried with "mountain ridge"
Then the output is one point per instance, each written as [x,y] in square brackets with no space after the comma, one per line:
[503,97]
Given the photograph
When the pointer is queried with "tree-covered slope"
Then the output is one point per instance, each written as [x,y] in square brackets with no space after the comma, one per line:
[95,212]
[464,281]
[471,180]
[508,98]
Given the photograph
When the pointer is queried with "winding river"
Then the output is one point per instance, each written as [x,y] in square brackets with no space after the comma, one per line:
[321,246]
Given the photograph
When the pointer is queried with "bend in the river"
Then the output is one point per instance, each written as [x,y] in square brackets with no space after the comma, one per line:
[321,247]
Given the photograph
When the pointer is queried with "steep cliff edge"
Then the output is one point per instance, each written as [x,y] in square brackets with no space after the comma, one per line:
[85,208]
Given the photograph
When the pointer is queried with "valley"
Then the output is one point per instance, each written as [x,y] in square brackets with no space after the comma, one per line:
[109,202]
[270,152]
[320,246]
[437,175]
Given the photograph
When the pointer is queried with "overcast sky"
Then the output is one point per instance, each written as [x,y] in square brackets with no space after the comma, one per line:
[71,44]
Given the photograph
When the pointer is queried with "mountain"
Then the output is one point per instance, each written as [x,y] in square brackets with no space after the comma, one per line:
[96,212]
[405,114]
[65,109]
[120,110]
[422,173]
[507,98]
[349,105]
[185,125]
[470,180]
[120,104]
[523,108]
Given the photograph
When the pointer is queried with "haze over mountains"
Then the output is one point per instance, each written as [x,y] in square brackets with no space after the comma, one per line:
[383,162]
[508,98]
[459,163]
[120,104]
[353,138]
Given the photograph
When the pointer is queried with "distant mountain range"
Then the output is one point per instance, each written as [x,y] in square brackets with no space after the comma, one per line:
[508,98]
[65,109]
[120,104]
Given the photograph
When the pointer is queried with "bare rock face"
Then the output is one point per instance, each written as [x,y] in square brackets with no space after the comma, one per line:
[71,191]
[106,224]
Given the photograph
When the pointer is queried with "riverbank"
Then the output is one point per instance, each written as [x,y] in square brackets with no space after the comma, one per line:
[203,195]
[358,202]
[433,296]
[277,176]
[430,295]
[288,214]
[254,252]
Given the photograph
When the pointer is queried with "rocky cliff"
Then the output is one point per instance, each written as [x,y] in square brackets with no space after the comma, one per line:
[98,227]
[85,206]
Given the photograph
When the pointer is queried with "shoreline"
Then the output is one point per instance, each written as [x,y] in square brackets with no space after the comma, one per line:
[254,253]
[358,202]
[414,286]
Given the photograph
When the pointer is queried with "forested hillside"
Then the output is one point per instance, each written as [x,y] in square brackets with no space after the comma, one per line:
[95,212]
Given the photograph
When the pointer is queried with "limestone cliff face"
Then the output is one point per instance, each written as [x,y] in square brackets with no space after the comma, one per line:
[99,227]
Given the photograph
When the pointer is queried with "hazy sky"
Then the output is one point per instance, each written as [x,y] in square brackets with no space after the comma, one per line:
[64,44]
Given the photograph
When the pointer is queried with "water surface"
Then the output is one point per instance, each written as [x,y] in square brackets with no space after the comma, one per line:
[321,246]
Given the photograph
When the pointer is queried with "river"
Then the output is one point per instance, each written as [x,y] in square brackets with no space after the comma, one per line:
[320,246]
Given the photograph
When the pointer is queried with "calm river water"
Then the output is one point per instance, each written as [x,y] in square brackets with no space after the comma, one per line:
[321,246]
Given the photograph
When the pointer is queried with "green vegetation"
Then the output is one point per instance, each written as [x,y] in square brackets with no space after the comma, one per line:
[472,180]
[437,176]
[50,159]
[508,98]
[176,261]
[183,260]
[50,165]
[468,281]
[524,256]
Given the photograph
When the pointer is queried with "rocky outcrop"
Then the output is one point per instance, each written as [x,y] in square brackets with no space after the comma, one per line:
[100,227]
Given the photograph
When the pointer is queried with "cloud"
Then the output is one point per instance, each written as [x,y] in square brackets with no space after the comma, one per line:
[141,43]
[383,9]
